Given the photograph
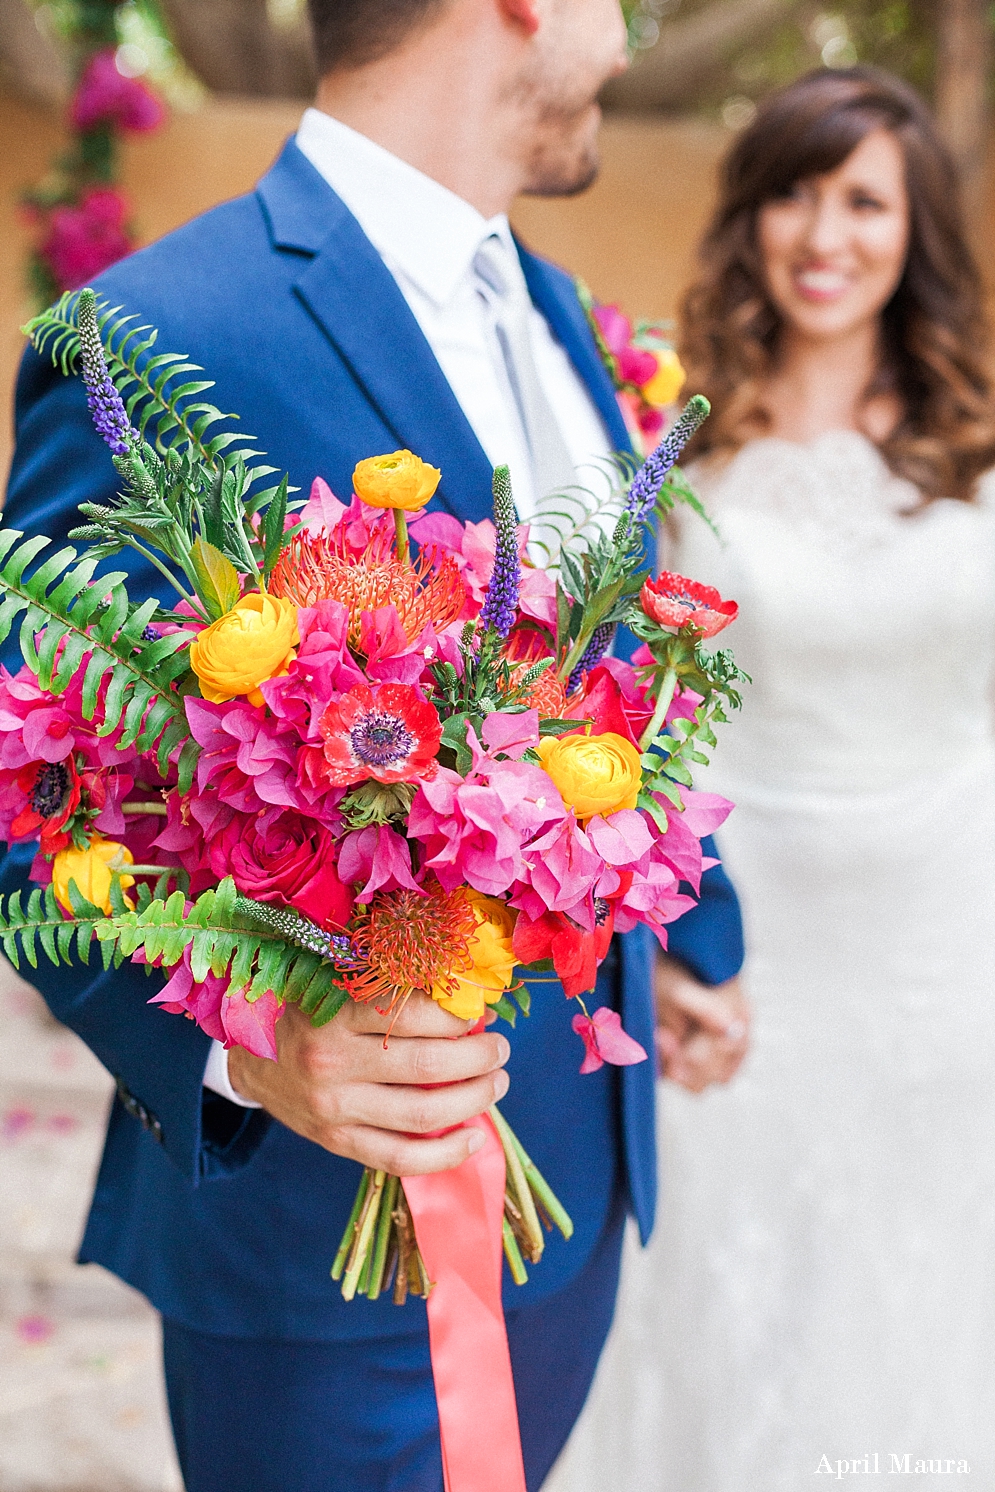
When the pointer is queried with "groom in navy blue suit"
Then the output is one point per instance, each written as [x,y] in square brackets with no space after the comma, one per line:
[227,1216]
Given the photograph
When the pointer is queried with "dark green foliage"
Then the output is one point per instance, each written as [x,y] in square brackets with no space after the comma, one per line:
[225,933]
[58,605]
[162,402]
[189,495]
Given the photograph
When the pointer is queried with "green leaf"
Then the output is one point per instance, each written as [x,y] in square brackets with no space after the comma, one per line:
[217,579]
[272,528]
[454,736]
[505,1010]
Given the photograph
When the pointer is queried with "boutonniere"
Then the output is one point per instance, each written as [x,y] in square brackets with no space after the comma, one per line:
[642,364]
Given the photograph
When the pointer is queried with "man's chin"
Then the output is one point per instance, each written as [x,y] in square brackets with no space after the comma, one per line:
[564,174]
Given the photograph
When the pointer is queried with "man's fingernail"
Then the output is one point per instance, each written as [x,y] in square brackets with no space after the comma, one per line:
[502,1082]
[504,1049]
[474,1141]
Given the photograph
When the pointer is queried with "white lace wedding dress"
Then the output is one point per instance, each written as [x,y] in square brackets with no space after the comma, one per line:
[822,1279]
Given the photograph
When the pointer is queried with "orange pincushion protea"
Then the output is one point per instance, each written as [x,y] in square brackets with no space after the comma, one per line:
[547,694]
[320,567]
[525,648]
[411,942]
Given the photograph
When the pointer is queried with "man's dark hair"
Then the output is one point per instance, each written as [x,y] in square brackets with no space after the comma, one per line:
[349,33]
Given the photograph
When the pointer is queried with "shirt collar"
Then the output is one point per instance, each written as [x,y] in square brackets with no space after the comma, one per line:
[414,222]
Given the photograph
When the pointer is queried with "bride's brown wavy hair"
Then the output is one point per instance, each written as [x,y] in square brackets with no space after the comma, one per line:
[935,330]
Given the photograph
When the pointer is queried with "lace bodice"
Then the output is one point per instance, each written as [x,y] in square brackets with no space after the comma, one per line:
[867,621]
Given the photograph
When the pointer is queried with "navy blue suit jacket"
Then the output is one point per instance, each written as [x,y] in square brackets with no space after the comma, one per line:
[224,1218]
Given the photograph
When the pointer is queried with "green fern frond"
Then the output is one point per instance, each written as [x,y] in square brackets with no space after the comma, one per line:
[225,933]
[573,520]
[163,402]
[66,616]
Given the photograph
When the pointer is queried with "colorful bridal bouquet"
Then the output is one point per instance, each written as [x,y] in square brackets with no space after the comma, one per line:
[360,750]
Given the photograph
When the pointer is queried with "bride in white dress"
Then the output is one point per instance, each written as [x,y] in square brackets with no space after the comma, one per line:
[819,1297]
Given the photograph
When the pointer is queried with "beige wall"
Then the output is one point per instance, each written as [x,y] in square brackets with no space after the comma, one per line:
[632,237]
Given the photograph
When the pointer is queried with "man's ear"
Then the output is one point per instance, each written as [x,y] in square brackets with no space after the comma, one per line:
[524,12]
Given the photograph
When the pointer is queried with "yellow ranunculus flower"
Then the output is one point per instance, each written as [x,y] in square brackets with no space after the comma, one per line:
[400,480]
[253,642]
[493,958]
[667,381]
[90,869]
[594,774]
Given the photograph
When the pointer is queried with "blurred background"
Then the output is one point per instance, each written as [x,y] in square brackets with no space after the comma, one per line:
[117,123]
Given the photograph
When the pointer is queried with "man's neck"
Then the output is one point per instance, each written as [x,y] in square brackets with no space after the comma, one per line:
[424,106]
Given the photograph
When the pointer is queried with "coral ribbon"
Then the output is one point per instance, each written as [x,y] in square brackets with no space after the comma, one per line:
[458,1219]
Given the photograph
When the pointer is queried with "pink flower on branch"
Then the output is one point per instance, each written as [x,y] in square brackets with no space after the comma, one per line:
[605,1041]
[106,96]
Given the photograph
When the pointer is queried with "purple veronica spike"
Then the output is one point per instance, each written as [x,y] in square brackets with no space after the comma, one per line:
[601,640]
[106,404]
[500,606]
[650,476]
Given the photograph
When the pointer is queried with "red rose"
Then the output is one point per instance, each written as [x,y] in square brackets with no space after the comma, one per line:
[280,856]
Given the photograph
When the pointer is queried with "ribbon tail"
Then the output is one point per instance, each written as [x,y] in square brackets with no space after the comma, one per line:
[458,1218]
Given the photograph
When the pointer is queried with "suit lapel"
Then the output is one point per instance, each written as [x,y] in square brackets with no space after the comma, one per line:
[354,298]
[553,293]
[349,291]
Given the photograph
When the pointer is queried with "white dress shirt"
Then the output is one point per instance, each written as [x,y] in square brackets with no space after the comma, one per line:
[428,238]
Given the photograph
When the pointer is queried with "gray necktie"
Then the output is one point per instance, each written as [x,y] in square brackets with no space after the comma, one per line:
[500,270]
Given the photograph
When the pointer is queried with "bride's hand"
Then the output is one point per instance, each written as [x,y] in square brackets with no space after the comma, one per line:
[702,1031]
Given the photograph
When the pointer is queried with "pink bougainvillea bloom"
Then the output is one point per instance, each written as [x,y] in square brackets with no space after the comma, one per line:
[389,734]
[378,856]
[322,511]
[231,1019]
[674,601]
[251,1023]
[106,96]
[473,829]
[84,240]
[605,1041]
[615,327]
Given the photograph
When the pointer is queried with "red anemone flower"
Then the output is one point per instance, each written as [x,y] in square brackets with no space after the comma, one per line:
[53,793]
[388,733]
[674,601]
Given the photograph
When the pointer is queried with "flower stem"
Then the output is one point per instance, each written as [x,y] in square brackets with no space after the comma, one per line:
[538,1183]
[384,1227]
[190,600]
[520,1186]
[364,1235]
[663,703]
[349,1236]
[401,534]
[513,1255]
[160,810]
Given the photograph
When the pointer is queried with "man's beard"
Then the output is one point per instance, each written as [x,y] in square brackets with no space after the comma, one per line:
[561,166]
